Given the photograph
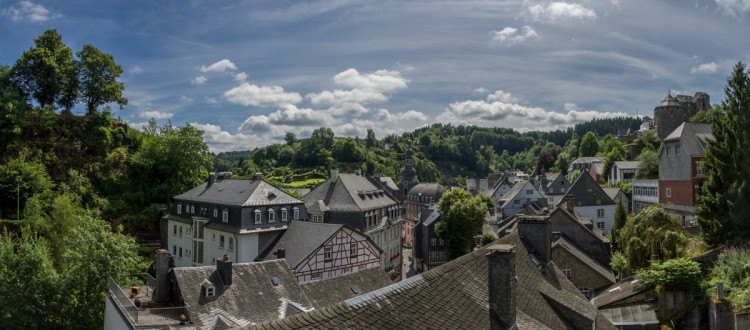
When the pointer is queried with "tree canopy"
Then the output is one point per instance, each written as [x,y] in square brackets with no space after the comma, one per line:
[461,218]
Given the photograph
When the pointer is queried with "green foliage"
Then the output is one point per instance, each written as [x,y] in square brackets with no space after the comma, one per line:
[621,216]
[652,235]
[487,239]
[97,76]
[619,264]
[290,138]
[672,275]
[724,202]
[589,145]
[462,216]
[732,269]
[348,150]
[649,166]
[25,179]
[650,140]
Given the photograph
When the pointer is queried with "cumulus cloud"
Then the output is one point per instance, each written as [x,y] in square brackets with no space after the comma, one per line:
[261,96]
[501,96]
[158,115]
[560,11]
[199,80]
[220,66]
[292,116]
[705,68]
[379,81]
[185,99]
[365,89]
[240,76]
[29,11]
[510,35]
[220,140]
[480,90]
[256,124]
[384,115]
[734,7]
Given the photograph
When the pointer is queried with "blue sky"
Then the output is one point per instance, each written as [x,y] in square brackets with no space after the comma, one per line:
[247,72]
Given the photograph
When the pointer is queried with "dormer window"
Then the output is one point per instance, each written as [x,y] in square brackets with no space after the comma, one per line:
[179,208]
[284,214]
[271,215]
[295,213]
[216,212]
[224,215]
[208,288]
[257,217]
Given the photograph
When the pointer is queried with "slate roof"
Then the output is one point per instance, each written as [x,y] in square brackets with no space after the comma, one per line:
[301,239]
[336,289]
[612,193]
[517,188]
[455,296]
[430,215]
[350,192]
[582,256]
[428,189]
[238,193]
[586,192]
[693,137]
[628,164]
[251,298]
[585,160]
[618,292]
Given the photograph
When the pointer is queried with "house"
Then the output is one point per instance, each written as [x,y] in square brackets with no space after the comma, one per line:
[681,170]
[496,184]
[429,250]
[629,304]
[321,250]
[227,217]
[618,196]
[593,165]
[510,284]
[592,202]
[554,185]
[419,197]
[623,171]
[361,203]
[645,194]
[522,194]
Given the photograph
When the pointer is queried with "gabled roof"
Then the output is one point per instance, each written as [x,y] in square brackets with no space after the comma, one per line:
[336,289]
[517,188]
[628,164]
[350,192]
[585,160]
[612,193]
[583,257]
[236,192]
[587,192]
[582,221]
[251,298]
[455,296]
[430,215]
[693,136]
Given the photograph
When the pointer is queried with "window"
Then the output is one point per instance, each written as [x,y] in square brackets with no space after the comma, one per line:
[328,253]
[257,216]
[700,169]
[600,225]
[284,215]
[174,250]
[225,215]
[598,202]
[180,250]
[192,208]
[210,291]
[295,213]
[221,241]
[600,213]
[180,231]
[586,292]
[231,244]
[174,230]
[669,150]
[517,201]
[216,212]
[213,236]
[316,276]
[317,218]
[271,215]
[530,192]
[567,271]
[352,249]
[669,192]
[677,149]
[179,208]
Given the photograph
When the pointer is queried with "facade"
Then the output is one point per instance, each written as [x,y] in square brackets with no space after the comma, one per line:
[227,217]
[592,202]
[623,171]
[681,171]
[645,194]
[317,251]
[419,197]
[362,204]
[554,185]
[523,193]
[672,111]
[429,249]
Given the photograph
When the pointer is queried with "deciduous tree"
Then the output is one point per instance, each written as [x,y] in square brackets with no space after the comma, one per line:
[462,216]
[97,76]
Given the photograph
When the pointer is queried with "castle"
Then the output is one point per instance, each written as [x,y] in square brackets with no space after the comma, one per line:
[672,111]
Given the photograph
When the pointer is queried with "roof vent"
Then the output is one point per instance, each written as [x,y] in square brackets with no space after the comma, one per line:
[355,289]
[275,281]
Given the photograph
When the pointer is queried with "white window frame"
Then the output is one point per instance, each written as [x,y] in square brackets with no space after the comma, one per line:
[567,271]
[231,244]
[192,208]
[317,217]
[221,242]
[284,214]
[600,225]
[295,213]
[225,215]
[271,215]
[328,253]
[179,208]
[216,212]
[210,292]
[258,217]
[668,192]
[600,213]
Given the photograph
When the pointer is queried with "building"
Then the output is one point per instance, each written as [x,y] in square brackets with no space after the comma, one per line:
[419,197]
[429,249]
[317,251]
[645,194]
[554,185]
[511,284]
[591,201]
[681,171]
[227,217]
[593,165]
[623,171]
[361,203]
[672,111]
[618,196]
[523,193]
[408,174]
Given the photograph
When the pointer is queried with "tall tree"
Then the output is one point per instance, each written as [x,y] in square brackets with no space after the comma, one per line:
[724,203]
[651,235]
[462,216]
[324,135]
[621,216]
[371,141]
[97,76]
[589,145]
[47,73]
[348,150]
[290,138]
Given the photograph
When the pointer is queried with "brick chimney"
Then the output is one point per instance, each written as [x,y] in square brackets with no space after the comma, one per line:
[501,282]
[162,266]
[570,203]
[536,232]
[224,267]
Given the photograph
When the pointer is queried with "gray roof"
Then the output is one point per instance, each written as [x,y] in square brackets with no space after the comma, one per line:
[612,193]
[455,296]
[301,239]
[586,192]
[350,192]
[628,164]
[428,189]
[336,289]
[693,137]
[514,191]
[388,182]
[619,292]
[430,215]
[583,257]
[238,193]
[585,160]
[251,298]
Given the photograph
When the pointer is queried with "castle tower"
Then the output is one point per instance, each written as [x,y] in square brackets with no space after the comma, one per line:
[408,175]
[672,111]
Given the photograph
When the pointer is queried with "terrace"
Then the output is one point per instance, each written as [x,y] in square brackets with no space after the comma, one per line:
[138,307]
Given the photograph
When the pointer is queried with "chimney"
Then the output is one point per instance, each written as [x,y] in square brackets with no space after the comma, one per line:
[536,232]
[501,282]
[280,253]
[570,202]
[224,267]
[358,172]
[211,180]
[161,287]
[258,176]
[334,174]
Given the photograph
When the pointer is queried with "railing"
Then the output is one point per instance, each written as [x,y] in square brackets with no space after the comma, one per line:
[145,316]
[123,301]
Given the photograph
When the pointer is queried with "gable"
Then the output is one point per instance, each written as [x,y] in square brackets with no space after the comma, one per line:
[587,192]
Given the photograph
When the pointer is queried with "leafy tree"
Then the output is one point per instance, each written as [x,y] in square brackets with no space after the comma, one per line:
[312,152]
[487,239]
[672,275]
[19,178]
[650,140]
[652,235]
[290,138]
[649,166]
[724,203]
[731,269]
[325,136]
[97,76]
[621,216]
[371,141]
[46,73]
[426,170]
[348,150]
[462,216]
[589,145]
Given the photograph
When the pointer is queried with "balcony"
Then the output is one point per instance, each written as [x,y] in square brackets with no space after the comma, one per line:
[135,301]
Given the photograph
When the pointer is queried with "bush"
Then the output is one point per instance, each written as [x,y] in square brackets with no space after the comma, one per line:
[733,270]
[672,275]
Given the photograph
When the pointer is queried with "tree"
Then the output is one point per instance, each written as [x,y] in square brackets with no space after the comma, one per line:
[371,141]
[325,136]
[589,145]
[97,76]
[290,138]
[649,166]
[19,178]
[348,150]
[672,275]
[724,202]
[652,235]
[621,216]
[46,73]
[462,216]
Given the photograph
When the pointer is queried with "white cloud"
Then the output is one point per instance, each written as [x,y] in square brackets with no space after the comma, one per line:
[511,35]
[261,96]
[705,68]
[384,115]
[480,90]
[734,7]
[290,115]
[379,81]
[220,140]
[211,100]
[256,124]
[31,12]
[559,11]
[199,80]
[240,76]
[365,89]
[220,66]
[501,96]
[136,69]
[185,99]
[158,115]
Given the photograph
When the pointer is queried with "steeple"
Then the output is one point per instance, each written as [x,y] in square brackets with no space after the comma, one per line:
[409,174]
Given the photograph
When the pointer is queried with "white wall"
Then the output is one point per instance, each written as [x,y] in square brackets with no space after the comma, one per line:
[247,248]
[184,241]
[591,212]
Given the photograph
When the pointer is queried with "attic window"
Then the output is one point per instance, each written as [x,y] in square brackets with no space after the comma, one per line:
[209,288]
[275,281]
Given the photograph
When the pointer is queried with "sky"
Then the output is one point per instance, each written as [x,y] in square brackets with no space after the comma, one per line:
[247,72]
